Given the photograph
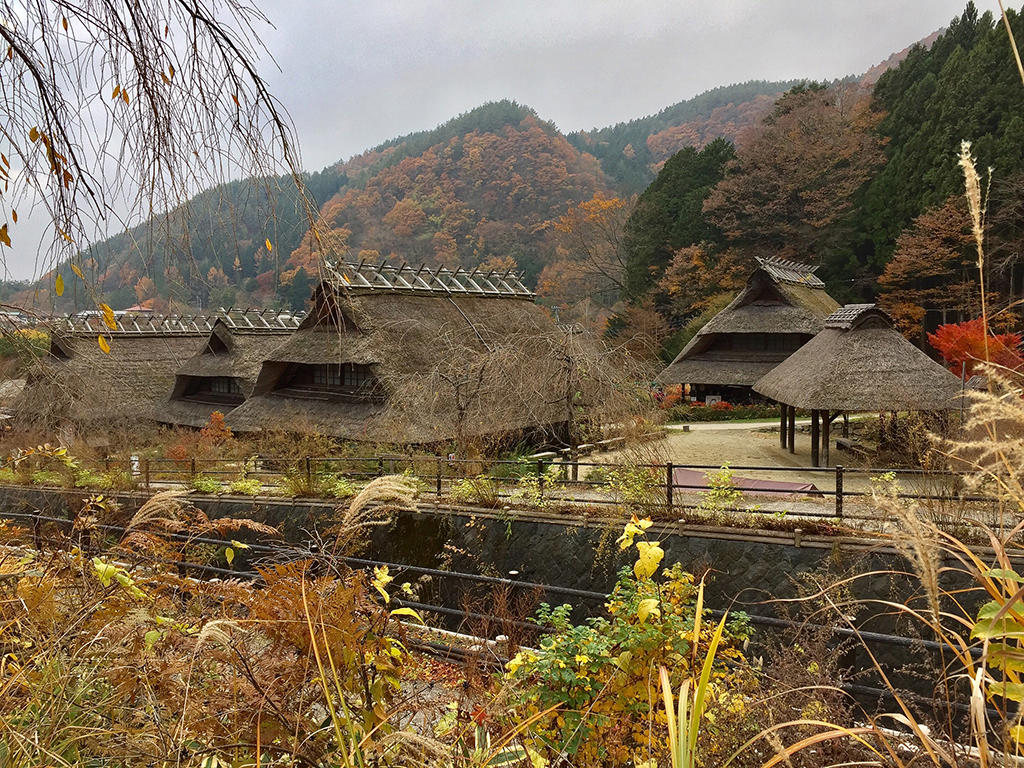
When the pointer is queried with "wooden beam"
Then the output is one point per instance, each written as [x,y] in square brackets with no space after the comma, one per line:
[846,425]
[825,437]
[815,438]
[782,425]
[792,428]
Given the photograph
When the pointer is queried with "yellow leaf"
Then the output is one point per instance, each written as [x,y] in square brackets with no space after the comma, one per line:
[58,285]
[104,345]
[33,135]
[170,70]
[269,246]
[648,607]
[648,559]
[229,555]
[108,317]
[124,95]
[4,237]
[408,612]
[64,22]
[77,270]
[116,93]
[14,215]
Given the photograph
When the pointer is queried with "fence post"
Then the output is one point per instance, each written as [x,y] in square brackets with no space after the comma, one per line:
[574,457]
[309,474]
[192,467]
[839,491]
[380,466]
[438,477]
[540,476]
[145,472]
[669,486]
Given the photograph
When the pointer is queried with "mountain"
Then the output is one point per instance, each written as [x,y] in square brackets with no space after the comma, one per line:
[485,186]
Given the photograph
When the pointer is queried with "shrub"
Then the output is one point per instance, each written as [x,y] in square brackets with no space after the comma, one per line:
[246,487]
[721,405]
[92,481]
[8,476]
[721,495]
[602,674]
[481,490]
[204,484]
[47,477]
[721,411]
[341,487]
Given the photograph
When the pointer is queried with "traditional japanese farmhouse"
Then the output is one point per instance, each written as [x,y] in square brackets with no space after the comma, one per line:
[223,372]
[415,356]
[782,306]
[858,363]
[78,383]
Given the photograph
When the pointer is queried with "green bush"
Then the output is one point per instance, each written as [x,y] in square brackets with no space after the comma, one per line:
[481,490]
[204,484]
[341,488]
[8,476]
[47,477]
[703,413]
[92,481]
[246,487]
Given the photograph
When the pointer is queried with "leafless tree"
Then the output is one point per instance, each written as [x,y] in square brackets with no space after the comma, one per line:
[117,112]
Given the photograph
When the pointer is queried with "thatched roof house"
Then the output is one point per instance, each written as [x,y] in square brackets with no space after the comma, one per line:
[404,355]
[858,363]
[781,307]
[223,372]
[78,384]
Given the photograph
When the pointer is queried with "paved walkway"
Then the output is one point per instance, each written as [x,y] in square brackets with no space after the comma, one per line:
[714,426]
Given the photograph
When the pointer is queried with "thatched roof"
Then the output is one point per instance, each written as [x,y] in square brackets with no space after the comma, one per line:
[77,382]
[467,352]
[859,362]
[231,352]
[780,298]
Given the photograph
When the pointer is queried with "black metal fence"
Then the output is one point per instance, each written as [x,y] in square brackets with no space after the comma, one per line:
[546,480]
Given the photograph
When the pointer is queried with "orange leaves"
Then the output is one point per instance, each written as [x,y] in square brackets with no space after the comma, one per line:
[964,343]
[5,238]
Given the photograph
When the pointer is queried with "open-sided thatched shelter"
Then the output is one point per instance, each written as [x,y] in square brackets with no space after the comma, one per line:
[415,356]
[223,373]
[77,384]
[858,363]
[782,306]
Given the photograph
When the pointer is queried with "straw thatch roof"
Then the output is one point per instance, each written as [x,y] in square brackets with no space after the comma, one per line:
[782,299]
[859,362]
[230,353]
[448,353]
[77,383]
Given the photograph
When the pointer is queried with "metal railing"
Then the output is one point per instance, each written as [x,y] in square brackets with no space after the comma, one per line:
[547,479]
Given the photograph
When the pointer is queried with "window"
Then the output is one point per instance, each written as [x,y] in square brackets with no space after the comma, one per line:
[215,389]
[344,379]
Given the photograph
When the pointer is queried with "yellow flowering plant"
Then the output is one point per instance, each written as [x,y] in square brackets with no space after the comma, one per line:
[603,674]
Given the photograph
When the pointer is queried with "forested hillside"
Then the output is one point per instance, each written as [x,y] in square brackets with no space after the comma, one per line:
[488,184]
[866,183]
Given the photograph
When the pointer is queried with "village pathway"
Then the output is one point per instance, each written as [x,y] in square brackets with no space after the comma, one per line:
[715,426]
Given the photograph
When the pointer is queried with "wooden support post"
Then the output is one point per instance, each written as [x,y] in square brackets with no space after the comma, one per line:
[815,454]
[670,484]
[145,472]
[839,491]
[791,428]
[826,438]
[846,425]
[782,425]
[574,457]
[540,476]
[438,489]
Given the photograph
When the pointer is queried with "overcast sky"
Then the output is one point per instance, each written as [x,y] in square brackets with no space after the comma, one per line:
[353,73]
[356,73]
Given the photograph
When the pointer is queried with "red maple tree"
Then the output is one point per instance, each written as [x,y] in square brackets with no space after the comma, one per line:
[960,343]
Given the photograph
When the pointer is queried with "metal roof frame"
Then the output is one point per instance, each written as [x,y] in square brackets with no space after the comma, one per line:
[139,324]
[403,278]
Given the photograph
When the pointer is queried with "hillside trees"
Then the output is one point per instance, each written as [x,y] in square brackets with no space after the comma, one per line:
[791,187]
[114,111]
[933,270]
[668,214]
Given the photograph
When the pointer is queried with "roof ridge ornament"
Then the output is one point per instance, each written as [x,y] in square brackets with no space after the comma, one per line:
[384,277]
[790,271]
[127,324]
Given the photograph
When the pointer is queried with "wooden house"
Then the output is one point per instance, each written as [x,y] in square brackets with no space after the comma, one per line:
[782,306]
